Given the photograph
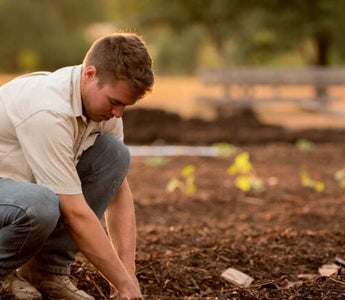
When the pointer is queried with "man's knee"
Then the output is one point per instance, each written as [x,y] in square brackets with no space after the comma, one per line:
[45,210]
[108,154]
[115,150]
[39,207]
[104,165]
[28,215]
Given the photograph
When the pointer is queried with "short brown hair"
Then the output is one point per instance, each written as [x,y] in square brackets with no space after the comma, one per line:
[122,56]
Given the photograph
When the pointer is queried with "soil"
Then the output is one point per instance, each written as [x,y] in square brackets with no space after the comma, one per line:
[273,234]
[242,127]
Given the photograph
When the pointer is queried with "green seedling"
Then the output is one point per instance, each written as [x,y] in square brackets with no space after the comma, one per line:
[185,182]
[317,186]
[339,176]
[305,145]
[225,149]
[155,161]
[246,179]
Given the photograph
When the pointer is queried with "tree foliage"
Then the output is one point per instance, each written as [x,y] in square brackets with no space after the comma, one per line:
[44,34]
[252,31]
[191,24]
[294,23]
[182,35]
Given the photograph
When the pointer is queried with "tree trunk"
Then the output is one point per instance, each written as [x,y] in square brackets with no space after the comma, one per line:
[218,39]
[323,45]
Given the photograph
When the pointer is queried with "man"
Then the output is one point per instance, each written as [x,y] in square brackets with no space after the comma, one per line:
[62,164]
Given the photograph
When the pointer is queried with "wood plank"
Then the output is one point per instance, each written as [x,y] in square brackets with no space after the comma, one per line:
[320,77]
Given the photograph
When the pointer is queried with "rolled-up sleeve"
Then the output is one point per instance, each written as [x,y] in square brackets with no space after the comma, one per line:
[47,140]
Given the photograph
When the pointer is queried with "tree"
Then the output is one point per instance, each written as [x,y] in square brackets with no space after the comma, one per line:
[221,19]
[38,34]
[257,30]
[298,21]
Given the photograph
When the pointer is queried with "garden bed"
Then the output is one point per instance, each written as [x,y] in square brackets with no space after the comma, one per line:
[272,234]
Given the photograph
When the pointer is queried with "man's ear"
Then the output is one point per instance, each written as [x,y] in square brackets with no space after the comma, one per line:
[90,72]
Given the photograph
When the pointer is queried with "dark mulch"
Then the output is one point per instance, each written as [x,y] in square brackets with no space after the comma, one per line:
[273,234]
[242,127]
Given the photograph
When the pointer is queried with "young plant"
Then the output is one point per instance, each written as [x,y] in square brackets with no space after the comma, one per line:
[185,182]
[317,186]
[155,161]
[225,149]
[246,179]
[305,145]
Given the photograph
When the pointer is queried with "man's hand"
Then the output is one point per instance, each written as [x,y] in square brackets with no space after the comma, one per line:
[114,293]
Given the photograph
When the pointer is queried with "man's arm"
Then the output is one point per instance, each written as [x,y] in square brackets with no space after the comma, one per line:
[121,226]
[90,237]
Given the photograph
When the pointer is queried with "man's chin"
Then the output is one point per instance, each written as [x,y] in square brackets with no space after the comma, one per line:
[99,118]
[105,118]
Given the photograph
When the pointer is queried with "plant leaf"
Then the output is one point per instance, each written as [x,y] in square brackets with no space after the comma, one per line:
[225,149]
[188,170]
[173,184]
[155,161]
[232,169]
[243,183]
[305,145]
[242,163]
[319,186]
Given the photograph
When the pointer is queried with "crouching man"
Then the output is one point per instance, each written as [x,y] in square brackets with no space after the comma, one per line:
[63,164]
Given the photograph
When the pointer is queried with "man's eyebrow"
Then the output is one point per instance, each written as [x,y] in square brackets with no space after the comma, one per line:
[115,100]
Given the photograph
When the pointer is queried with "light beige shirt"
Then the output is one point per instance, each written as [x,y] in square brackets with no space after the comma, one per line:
[43,131]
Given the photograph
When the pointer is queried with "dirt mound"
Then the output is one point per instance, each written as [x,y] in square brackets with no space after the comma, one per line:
[243,127]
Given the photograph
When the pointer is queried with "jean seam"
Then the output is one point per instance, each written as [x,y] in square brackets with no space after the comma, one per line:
[30,218]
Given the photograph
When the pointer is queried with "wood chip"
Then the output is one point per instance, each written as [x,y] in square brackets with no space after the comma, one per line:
[328,269]
[237,277]
[306,276]
[291,284]
[340,261]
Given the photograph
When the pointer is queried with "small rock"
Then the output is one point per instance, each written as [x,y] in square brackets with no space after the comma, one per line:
[328,269]
[237,277]
[272,181]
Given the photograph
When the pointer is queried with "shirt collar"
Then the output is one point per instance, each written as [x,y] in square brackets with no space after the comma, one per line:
[75,95]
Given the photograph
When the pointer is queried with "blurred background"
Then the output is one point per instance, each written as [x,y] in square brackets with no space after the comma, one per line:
[184,37]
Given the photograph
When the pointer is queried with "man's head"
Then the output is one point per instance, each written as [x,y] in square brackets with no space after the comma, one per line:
[125,57]
[117,71]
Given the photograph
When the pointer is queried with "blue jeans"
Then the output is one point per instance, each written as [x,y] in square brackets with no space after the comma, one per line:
[30,215]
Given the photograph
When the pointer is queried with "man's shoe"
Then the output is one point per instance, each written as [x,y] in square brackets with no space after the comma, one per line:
[61,287]
[19,287]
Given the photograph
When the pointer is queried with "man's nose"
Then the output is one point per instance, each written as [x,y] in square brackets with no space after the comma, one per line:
[118,111]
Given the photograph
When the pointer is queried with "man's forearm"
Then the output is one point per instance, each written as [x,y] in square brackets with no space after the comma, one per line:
[91,239]
[121,226]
